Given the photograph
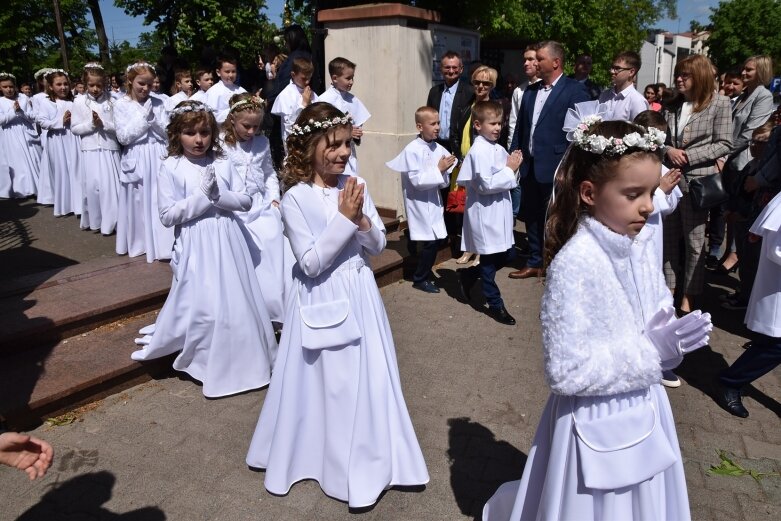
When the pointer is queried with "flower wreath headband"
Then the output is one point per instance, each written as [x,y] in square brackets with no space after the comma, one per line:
[192,106]
[51,72]
[7,76]
[139,65]
[313,125]
[585,116]
[93,65]
[254,102]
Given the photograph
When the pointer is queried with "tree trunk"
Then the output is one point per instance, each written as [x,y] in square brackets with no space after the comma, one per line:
[100,29]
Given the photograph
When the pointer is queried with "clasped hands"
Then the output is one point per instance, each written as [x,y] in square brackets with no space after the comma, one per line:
[674,337]
[209,183]
[351,203]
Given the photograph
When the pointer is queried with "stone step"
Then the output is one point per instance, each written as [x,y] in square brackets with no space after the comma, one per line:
[68,340]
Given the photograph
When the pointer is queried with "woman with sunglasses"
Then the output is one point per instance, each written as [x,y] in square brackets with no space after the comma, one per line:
[483,81]
[700,132]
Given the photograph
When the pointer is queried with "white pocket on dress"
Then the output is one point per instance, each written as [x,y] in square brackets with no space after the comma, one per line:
[129,175]
[328,325]
[622,449]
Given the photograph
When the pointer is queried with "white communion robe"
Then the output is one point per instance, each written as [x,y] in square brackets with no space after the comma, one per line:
[214,313]
[488,217]
[421,181]
[763,314]
[348,103]
[600,366]
[288,106]
[664,204]
[218,96]
[20,148]
[262,224]
[62,158]
[336,415]
[100,152]
[142,131]
[173,101]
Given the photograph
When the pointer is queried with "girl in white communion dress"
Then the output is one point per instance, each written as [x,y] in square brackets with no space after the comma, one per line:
[606,447]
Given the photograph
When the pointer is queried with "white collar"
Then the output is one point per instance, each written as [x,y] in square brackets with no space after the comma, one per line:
[614,244]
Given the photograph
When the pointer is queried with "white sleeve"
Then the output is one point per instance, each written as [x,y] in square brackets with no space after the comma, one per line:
[314,253]
[373,240]
[7,114]
[486,182]
[81,119]
[272,179]
[175,211]
[774,247]
[130,124]
[516,107]
[233,195]
[428,177]
[49,117]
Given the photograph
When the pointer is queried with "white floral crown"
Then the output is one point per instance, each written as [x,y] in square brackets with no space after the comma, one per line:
[7,75]
[139,65]
[312,125]
[42,72]
[585,116]
[49,72]
[192,106]
[254,100]
[93,65]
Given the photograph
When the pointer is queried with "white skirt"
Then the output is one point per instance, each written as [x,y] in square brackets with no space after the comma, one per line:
[338,416]
[214,313]
[551,487]
[62,156]
[22,157]
[100,189]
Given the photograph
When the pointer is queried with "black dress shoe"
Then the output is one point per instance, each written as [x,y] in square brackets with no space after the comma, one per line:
[731,401]
[501,315]
[427,286]
[465,282]
[711,262]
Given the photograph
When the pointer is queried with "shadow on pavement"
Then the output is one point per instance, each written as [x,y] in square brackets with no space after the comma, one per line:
[81,498]
[479,464]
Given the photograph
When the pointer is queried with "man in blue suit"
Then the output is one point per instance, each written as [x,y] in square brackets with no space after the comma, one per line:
[540,136]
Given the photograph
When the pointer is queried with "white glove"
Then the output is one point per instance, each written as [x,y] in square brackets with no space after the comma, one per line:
[209,183]
[674,337]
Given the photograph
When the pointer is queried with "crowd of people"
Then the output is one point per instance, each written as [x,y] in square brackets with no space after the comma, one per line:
[626,198]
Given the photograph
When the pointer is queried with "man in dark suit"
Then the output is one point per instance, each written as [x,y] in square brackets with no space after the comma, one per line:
[540,137]
[583,65]
[450,99]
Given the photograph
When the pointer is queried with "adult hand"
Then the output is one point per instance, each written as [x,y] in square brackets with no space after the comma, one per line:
[351,200]
[445,162]
[26,453]
[676,156]
[514,160]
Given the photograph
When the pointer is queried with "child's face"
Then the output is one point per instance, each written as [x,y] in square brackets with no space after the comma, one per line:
[156,85]
[95,86]
[185,84]
[196,140]
[428,127]
[490,128]
[246,124]
[333,151]
[227,73]
[114,83]
[79,88]
[27,90]
[733,86]
[141,86]
[8,89]
[758,145]
[301,79]
[624,203]
[60,87]
[344,81]
[205,81]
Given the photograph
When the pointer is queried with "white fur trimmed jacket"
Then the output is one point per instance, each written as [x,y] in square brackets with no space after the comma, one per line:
[601,290]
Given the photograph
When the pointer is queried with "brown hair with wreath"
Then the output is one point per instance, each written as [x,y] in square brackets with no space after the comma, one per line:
[182,120]
[301,146]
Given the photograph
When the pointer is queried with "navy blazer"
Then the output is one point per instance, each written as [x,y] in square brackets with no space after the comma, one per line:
[550,140]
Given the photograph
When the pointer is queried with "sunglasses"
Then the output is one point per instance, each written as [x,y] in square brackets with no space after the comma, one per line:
[478,83]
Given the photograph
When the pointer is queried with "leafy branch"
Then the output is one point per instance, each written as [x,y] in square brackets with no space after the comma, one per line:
[728,467]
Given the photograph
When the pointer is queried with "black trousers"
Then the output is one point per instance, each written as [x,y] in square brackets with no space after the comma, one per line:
[761,357]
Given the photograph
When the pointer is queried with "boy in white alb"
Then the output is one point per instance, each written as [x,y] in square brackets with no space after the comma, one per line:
[488,173]
[342,73]
[204,80]
[295,97]
[218,95]
[425,168]
[623,100]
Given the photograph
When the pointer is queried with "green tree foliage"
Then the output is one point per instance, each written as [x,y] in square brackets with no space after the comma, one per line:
[743,28]
[602,28]
[190,25]
[29,35]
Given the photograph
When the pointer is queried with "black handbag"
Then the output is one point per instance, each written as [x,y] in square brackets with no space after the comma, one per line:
[706,191]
